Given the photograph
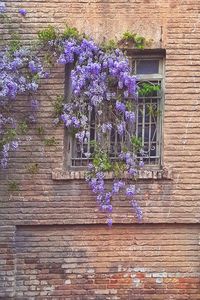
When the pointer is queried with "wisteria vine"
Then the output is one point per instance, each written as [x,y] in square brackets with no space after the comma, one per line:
[101,85]
[20,71]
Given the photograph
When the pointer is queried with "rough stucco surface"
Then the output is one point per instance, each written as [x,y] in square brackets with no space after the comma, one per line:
[53,241]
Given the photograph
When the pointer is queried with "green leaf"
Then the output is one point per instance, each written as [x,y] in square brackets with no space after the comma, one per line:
[47,34]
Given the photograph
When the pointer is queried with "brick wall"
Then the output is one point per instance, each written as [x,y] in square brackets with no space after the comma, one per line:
[93,262]
[54,242]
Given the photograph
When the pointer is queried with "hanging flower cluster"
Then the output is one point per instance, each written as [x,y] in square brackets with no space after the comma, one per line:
[20,71]
[103,87]
[100,114]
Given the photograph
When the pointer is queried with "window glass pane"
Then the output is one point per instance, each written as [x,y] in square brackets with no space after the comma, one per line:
[147,66]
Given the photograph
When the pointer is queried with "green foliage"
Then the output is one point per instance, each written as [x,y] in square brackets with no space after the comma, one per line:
[139,41]
[33,168]
[70,32]
[14,43]
[47,34]
[102,162]
[130,105]
[109,45]
[58,106]
[13,186]
[48,59]
[40,130]
[146,89]
[119,167]
[128,36]
[136,142]
[9,135]
[50,33]
[50,142]
[152,110]
[23,127]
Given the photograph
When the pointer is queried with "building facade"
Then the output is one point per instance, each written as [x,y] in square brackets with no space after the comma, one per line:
[54,242]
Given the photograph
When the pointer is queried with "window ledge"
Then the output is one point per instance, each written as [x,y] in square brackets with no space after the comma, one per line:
[145,174]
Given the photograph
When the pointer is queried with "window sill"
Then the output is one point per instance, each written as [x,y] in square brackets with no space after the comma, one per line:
[145,174]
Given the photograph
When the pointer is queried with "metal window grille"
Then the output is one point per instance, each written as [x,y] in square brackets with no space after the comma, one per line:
[148,119]
[149,109]
[79,151]
[148,126]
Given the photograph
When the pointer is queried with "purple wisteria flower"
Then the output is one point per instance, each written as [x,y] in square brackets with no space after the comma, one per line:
[109,222]
[100,81]
[138,210]
[120,106]
[131,191]
[14,145]
[121,128]
[14,81]
[117,186]
[3,8]
[106,127]
[22,12]
[130,116]
[32,67]
[141,163]
[34,104]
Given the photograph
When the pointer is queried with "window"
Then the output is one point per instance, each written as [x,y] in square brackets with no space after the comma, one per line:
[149,71]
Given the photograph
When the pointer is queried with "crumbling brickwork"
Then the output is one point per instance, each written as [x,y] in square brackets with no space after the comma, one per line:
[54,243]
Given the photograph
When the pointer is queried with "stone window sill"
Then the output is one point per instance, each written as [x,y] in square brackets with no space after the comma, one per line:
[145,174]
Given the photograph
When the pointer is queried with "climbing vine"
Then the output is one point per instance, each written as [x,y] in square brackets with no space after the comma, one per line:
[102,86]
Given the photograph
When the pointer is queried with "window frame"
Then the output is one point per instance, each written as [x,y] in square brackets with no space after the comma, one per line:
[153,54]
[132,54]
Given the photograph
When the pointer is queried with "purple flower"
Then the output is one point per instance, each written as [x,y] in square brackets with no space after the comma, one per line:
[4,162]
[14,145]
[34,104]
[100,175]
[138,210]
[122,155]
[126,94]
[117,186]
[132,171]
[130,116]
[109,208]
[66,119]
[32,67]
[62,60]
[120,85]
[106,127]
[121,128]
[2,8]
[129,160]
[80,136]
[109,222]
[120,106]
[107,197]
[90,167]
[75,122]
[141,163]
[130,191]
[22,12]
[99,198]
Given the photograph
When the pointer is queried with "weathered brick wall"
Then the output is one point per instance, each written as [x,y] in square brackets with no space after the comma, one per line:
[39,258]
[92,262]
